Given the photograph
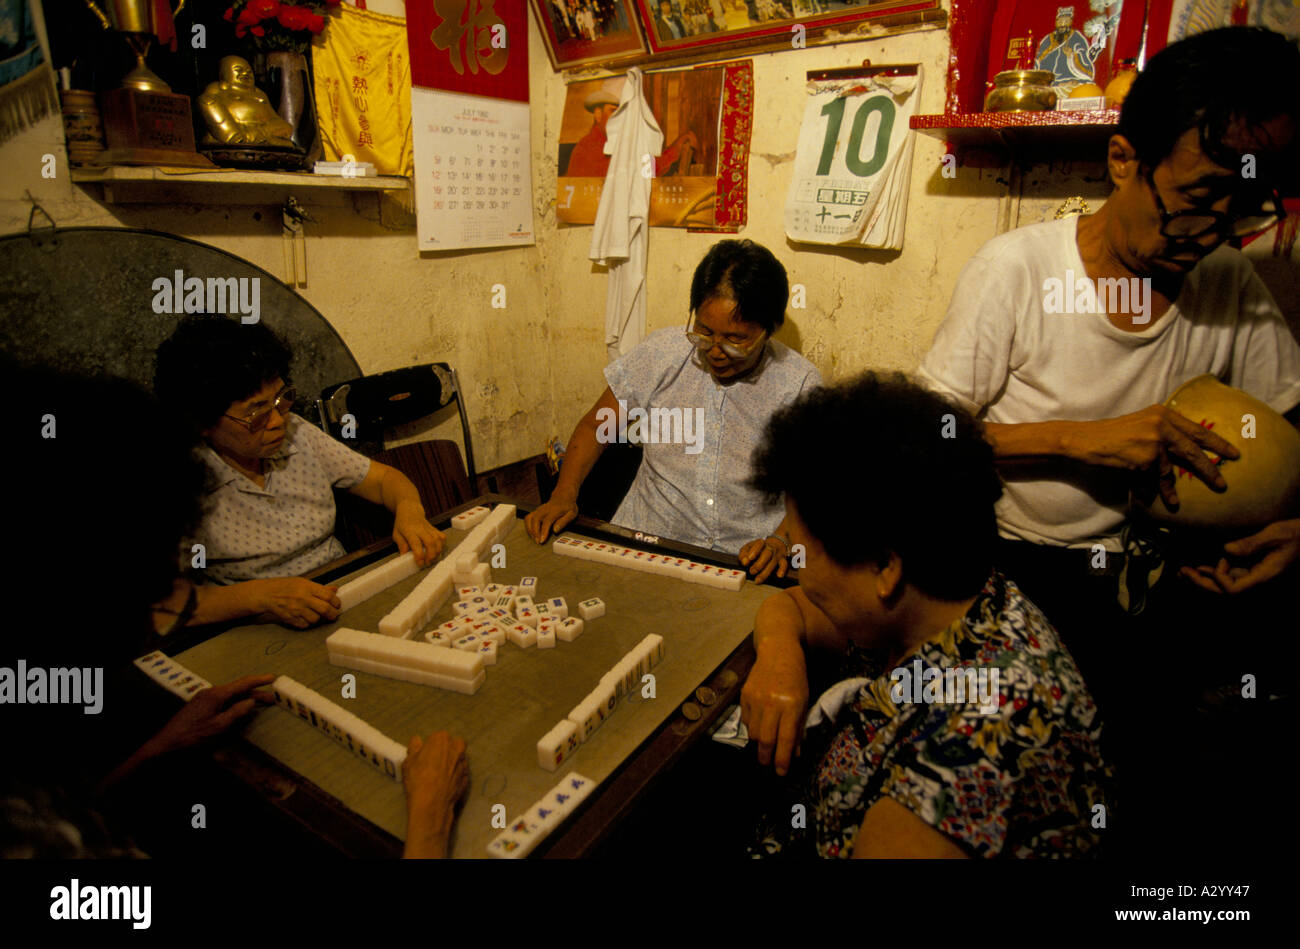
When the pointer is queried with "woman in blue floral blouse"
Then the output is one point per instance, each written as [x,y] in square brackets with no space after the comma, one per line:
[968,731]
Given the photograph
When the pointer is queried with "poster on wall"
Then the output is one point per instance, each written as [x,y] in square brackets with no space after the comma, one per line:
[699,181]
[853,166]
[470,123]
[1172,20]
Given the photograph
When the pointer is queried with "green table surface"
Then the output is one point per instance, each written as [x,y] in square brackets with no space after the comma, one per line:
[524,695]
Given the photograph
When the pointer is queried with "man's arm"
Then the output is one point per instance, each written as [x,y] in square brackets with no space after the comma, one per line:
[580,457]
[1150,440]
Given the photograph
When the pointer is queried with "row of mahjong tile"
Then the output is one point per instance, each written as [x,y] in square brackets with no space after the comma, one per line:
[171,675]
[678,567]
[564,739]
[526,832]
[341,725]
[435,665]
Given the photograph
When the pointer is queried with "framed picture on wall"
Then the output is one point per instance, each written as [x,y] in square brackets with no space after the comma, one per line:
[588,32]
[686,26]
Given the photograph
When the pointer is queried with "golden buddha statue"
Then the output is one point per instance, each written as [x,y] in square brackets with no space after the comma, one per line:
[238,113]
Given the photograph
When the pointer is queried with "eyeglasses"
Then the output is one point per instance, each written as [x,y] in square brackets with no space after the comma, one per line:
[1196,222]
[258,420]
[704,342]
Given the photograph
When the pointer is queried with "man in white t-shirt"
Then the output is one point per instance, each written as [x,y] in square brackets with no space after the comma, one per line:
[1072,401]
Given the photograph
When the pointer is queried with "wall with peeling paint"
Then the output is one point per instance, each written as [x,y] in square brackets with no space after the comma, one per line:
[531,369]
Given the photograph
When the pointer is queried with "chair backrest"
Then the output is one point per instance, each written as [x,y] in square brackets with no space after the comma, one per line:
[434,467]
[380,402]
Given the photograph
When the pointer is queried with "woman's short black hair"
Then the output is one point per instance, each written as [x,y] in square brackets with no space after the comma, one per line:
[211,362]
[1209,82]
[880,464]
[748,273]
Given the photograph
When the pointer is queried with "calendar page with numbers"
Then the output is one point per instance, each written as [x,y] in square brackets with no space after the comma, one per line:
[853,166]
[473,183]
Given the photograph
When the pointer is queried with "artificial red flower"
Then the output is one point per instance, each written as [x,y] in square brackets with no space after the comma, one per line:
[247,17]
[240,30]
[229,15]
[258,31]
[315,22]
[293,17]
[265,9]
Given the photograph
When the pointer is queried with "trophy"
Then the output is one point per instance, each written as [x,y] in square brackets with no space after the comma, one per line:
[145,123]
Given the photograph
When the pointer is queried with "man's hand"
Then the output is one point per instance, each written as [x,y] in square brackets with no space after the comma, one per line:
[554,515]
[1152,440]
[774,701]
[436,776]
[1259,557]
[764,555]
[412,531]
[211,712]
[295,601]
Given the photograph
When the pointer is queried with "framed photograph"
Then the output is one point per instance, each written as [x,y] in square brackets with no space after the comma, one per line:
[686,26]
[588,32]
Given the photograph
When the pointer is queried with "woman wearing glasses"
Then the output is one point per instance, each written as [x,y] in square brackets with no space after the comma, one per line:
[697,401]
[268,505]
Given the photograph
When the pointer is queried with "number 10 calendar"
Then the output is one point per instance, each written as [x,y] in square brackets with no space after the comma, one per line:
[853,167]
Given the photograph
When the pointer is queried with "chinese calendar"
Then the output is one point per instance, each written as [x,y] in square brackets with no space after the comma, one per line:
[852,170]
[473,175]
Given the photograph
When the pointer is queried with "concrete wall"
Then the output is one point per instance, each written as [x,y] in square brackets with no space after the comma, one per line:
[531,369]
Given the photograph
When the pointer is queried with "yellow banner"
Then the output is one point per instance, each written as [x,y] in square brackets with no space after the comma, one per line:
[363,90]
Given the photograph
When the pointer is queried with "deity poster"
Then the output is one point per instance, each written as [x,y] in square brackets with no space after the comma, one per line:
[853,167]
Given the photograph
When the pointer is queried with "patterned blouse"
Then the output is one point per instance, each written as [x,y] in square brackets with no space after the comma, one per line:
[1019,775]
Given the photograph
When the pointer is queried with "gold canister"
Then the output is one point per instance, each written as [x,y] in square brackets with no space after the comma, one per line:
[1022,90]
[82,127]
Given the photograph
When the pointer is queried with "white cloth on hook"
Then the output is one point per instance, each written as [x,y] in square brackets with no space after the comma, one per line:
[620,238]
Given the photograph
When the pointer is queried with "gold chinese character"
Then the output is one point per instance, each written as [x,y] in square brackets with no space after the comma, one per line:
[469,24]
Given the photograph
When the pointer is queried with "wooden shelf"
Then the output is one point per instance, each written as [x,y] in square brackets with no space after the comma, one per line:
[1069,134]
[148,184]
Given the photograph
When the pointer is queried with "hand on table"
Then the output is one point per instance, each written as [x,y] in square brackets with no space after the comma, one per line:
[764,555]
[412,531]
[296,601]
[774,704]
[1152,441]
[554,515]
[211,712]
[1260,557]
[436,776]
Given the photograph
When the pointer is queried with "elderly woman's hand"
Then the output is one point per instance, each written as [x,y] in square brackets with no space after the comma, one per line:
[774,701]
[764,555]
[294,601]
[412,531]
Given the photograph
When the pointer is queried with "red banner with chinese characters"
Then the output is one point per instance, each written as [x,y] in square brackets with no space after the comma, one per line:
[476,47]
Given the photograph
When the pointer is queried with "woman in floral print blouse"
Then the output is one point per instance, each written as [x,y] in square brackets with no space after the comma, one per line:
[969,731]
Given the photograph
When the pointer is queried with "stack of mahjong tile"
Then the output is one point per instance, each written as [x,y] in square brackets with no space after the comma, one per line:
[418,607]
[171,675]
[487,616]
[678,567]
[470,519]
[526,832]
[377,580]
[423,663]
[563,740]
[341,725]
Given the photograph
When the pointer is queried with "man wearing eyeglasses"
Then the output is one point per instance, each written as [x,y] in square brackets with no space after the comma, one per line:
[1073,401]
[269,507]
[707,394]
